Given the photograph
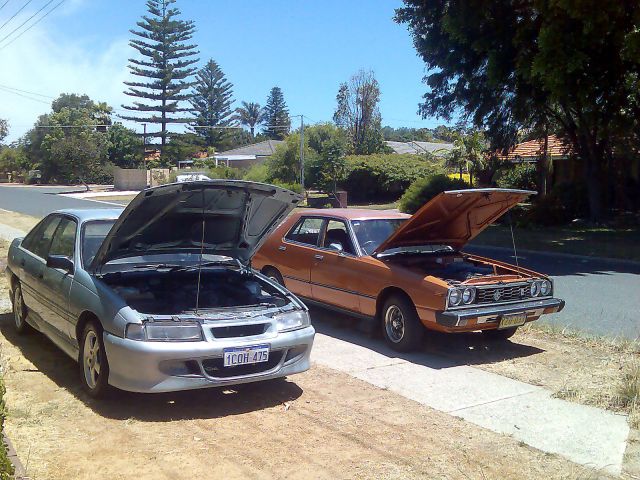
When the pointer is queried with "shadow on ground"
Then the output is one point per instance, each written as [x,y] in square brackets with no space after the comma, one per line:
[160,407]
[439,350]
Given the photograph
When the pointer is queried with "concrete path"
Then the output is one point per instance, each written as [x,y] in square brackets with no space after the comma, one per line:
[585,435]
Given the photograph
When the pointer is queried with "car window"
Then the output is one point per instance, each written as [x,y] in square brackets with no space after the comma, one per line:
[337,233]
[93,234]
[41,240]
[307,230]
[371,233]
[64,239]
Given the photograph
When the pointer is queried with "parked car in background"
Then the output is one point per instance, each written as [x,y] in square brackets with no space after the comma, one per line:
[191,177]
[408,272]
[33,177]
[160,296]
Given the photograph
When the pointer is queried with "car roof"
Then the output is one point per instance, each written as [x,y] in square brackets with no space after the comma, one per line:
[88,214]
[353,213]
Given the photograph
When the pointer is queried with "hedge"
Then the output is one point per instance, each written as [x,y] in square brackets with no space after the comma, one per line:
[424,189]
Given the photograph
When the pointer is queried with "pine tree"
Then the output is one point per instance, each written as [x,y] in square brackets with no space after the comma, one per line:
[167,67]
[276,115]
[212,104]
[249,115]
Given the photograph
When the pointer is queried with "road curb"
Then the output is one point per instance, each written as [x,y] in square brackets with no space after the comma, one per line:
[19,471]
[585,258]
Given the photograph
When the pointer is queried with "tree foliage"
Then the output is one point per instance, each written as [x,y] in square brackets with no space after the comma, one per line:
[571,65]
[124,147]
[249,114]
[164,66]
[276,115]
[424,189]
[211,102]
[358,114]
[4,129]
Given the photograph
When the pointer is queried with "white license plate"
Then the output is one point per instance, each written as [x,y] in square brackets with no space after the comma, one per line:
[510,321]
[245,355]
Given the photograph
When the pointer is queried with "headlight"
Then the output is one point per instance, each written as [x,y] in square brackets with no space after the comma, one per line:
[165,331]
[545,288]
[468,295]
[534,289]
[292,320]
[455,297]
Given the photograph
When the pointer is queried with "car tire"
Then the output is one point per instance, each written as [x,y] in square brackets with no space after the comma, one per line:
[20,312]
[500,334]
[401,328]
[94,367]
[274,275]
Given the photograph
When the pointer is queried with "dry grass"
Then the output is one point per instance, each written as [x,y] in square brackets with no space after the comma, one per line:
[628,393]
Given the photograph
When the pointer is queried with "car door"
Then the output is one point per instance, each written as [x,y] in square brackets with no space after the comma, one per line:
[56,283]
[295,254]
[335,279]
[35,249]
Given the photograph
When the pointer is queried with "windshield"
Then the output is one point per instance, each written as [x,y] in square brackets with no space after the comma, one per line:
[371,233]
[93,234]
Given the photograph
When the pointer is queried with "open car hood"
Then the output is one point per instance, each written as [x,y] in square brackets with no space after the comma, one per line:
[454,217]
[237,217]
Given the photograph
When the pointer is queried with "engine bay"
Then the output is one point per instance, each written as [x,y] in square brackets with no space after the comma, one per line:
[173,293]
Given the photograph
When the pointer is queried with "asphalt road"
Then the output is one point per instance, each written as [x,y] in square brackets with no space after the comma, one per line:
[603,296]
[38,201]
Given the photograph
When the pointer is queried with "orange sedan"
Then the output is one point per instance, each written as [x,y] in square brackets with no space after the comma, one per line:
[408,272]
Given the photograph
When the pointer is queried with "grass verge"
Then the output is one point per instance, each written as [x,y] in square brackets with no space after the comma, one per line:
[6,468]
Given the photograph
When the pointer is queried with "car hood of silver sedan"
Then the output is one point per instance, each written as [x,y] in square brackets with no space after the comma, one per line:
[220,217]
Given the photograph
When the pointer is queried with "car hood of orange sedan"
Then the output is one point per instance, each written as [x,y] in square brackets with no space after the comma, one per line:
[454,218]
[229,218]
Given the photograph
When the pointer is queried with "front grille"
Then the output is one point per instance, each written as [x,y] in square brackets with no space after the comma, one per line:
[214,367]
[505,294]
[240,330]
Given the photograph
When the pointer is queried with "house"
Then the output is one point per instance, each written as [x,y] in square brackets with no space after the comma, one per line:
[420,148]
[248,155]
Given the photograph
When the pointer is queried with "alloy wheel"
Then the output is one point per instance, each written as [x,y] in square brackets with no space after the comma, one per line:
[91,359]
[394,323]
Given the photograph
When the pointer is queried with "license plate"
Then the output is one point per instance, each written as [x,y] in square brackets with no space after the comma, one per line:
[510,321]
[245,355]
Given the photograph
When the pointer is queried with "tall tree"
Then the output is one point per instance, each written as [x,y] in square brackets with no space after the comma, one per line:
[212,104]
[4,129]
[249,115]
[358,114]
[574,65]
[276,115]
[166,68]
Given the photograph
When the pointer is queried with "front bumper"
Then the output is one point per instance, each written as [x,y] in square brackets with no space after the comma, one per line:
[489,316]
[148,367]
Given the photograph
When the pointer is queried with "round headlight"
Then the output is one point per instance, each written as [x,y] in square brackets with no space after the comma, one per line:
[455,297]
[468,295]
[535,289]
[545,288]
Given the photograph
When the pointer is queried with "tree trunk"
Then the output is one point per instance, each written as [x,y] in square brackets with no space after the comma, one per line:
[591,156]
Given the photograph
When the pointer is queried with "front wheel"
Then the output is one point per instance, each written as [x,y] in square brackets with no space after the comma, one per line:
[94,368]
[500,334]
[274,275]
[401,327]
[20,311]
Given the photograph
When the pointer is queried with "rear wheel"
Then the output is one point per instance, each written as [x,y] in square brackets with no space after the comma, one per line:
[94,367]
[274,275]
[500,334]
[20,311]
[401,327]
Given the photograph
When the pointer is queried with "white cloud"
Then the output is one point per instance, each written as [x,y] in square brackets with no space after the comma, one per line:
[39,63]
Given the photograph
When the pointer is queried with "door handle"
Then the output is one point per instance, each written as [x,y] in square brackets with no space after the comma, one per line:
[318,256]
[282,248]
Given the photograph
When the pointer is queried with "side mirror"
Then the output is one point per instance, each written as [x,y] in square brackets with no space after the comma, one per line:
[61,262]
[336,246]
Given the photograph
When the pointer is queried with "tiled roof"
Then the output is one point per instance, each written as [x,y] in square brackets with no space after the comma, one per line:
[535,148]
[260,149]
[416,148]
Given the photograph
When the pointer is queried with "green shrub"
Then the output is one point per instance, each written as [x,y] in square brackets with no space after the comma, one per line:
[384,177]
[424,189]
[294,187]
[257,173]
[6,468]
[564,203]
[523,176]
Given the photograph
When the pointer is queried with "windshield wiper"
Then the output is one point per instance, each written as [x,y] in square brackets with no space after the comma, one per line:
[156,266]
[212,263]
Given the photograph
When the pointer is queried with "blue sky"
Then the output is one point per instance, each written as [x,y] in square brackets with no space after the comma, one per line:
[305,47]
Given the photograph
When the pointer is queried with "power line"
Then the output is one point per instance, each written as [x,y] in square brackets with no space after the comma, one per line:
[26,91]
[15,14]
[26,21]
[32,25]
[2,6]
[23,96]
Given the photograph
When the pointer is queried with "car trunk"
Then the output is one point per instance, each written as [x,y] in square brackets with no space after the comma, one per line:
[175,293]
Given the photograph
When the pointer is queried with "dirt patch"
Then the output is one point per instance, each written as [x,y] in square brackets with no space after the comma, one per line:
[17,220]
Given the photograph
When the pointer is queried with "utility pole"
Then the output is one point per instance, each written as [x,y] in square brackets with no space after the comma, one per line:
[144,147]
[302,152]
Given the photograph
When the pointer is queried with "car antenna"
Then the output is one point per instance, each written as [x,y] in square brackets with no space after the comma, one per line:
[513,241]
[201,255]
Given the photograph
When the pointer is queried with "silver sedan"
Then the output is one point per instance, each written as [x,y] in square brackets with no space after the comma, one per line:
[161,296]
